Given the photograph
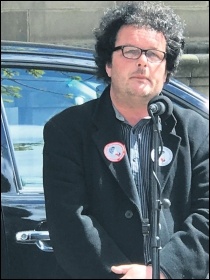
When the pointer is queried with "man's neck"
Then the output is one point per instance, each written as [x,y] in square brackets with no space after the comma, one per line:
[132,115]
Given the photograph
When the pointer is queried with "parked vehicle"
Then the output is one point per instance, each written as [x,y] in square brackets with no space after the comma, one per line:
[37,82]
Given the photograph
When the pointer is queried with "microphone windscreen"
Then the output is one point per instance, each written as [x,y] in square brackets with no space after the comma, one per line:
[167,103]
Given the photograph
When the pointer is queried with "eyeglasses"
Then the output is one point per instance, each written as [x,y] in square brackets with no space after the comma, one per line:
[131,52]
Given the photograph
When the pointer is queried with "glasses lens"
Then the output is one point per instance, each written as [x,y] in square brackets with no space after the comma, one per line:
[131,52]
[155,56]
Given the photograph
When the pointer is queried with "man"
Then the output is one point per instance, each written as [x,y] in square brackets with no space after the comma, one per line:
[98,160]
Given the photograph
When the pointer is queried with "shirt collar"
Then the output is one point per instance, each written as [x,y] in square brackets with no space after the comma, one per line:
[121,118]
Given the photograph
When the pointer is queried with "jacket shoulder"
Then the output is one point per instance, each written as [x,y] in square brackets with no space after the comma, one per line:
[189,118]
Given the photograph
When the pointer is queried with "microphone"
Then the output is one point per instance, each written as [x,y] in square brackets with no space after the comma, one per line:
[160,106]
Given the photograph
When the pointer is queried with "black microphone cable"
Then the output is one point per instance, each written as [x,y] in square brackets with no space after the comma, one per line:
[162,107]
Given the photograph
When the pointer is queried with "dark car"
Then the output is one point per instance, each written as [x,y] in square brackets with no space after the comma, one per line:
[37,82]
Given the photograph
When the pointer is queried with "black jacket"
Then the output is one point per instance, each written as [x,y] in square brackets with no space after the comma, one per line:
[92,204]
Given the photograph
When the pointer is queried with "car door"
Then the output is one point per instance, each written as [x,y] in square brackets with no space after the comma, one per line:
[21,212]
[30,96]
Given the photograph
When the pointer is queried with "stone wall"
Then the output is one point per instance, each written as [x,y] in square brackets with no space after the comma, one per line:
[72,23]
[194,72]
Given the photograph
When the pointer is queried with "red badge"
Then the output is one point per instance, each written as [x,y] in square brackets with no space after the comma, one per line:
[165,158]
[114,151]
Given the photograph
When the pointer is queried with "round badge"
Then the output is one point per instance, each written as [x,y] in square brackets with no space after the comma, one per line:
[114,151]
[165,158]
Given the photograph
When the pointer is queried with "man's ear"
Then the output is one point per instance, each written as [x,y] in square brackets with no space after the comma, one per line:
[109,69]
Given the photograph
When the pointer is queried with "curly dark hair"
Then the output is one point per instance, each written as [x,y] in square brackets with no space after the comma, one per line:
[152,15]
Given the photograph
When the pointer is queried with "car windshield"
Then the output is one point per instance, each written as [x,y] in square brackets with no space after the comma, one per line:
[33,96]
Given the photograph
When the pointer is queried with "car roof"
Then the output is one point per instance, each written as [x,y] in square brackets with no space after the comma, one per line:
[23,52]
[45,48]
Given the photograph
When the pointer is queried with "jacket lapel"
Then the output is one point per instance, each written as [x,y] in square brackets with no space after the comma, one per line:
[171,143]
[108,134]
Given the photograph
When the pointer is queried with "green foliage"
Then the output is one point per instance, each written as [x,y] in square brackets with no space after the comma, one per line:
[77,78]
[69,95]
[36,73]
[10,92]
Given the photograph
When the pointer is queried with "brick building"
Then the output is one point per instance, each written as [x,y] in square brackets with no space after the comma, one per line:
[72,23]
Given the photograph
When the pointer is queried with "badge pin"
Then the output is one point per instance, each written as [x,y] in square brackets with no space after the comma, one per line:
[114,151]
[165,158]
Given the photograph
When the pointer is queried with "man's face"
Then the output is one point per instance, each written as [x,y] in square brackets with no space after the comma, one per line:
[137,79]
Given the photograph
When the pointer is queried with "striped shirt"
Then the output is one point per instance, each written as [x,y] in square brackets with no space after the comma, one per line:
[138,141]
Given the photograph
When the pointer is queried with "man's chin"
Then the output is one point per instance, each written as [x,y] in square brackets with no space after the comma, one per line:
[143,91]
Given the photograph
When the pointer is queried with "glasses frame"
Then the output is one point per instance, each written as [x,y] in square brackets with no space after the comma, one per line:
[142,51]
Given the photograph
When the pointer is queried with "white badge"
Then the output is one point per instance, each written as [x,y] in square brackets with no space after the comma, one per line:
[165,158]
[114,151]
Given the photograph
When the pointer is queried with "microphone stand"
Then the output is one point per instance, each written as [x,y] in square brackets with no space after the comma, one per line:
[155,199]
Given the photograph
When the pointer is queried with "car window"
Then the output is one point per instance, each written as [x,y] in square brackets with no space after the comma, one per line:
[33,96]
